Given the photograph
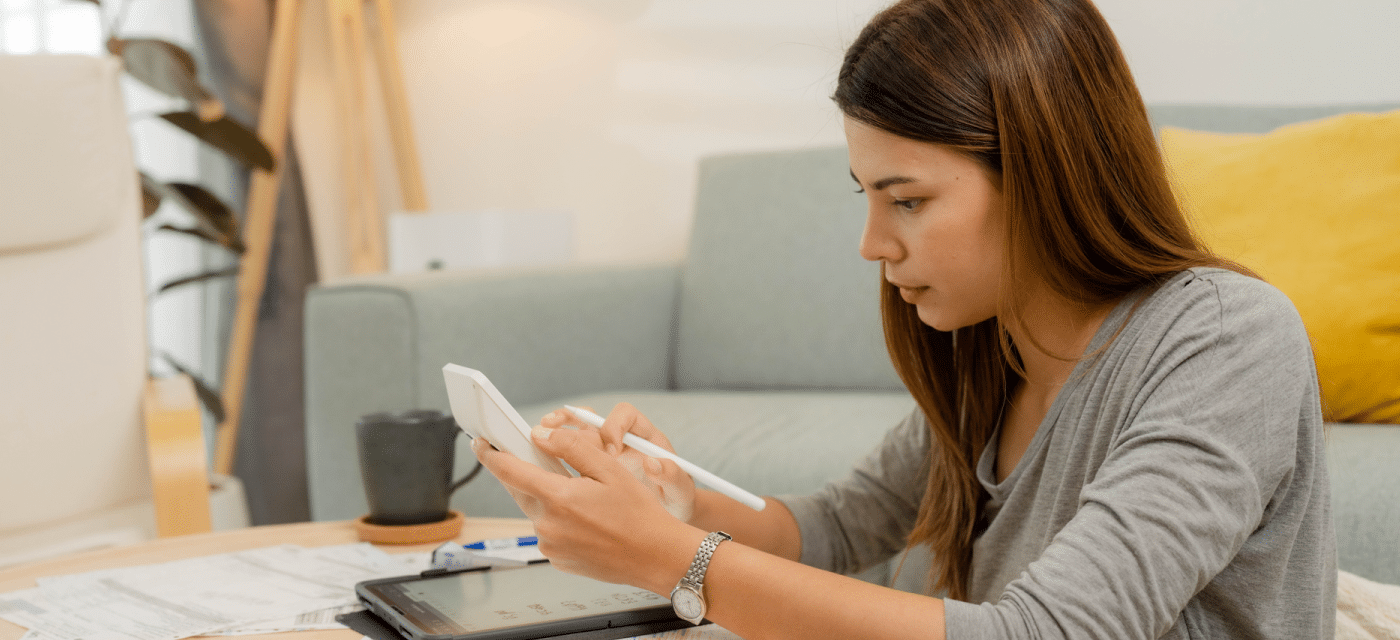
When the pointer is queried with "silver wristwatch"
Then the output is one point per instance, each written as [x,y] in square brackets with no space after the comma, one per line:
[688,598]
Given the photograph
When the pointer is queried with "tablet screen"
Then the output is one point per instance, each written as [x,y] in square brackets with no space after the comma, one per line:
[500,599]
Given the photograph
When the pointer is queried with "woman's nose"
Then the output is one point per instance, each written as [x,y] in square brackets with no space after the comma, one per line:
[876,243]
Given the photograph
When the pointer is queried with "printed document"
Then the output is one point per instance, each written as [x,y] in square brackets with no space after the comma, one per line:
[197,596]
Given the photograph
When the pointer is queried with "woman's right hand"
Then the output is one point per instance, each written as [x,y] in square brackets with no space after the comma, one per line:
[672,486]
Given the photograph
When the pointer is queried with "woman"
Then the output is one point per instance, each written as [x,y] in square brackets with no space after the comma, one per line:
[1118,434]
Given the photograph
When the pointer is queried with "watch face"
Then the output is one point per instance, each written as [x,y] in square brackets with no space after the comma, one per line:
[687,604]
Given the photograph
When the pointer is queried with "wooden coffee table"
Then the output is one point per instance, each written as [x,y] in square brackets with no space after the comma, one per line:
[308,534]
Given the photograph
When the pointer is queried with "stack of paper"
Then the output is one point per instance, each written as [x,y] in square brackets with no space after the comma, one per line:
[267,590]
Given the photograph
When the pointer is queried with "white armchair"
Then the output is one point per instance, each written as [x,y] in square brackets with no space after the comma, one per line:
[77,468]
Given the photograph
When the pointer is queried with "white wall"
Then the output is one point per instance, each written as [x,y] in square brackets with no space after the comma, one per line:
[601,107]
[1261,51]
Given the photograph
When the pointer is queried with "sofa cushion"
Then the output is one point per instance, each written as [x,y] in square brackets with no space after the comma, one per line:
[1361,460]
[774,293]
[769,443]
[49,186]
[1225,118]
[1313,207]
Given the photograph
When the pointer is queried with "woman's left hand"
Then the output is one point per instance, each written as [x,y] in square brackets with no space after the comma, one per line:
[604,524]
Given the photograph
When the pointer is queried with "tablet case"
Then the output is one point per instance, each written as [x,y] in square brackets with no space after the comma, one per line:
[368,624]
[371,625]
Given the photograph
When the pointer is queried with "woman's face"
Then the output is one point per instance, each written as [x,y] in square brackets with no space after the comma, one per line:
[935,220]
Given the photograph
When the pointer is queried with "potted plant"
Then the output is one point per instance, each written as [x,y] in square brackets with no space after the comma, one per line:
[171,70]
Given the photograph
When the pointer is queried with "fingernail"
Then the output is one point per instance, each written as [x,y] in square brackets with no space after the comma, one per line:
[540,433]
[476,444]
[653,466]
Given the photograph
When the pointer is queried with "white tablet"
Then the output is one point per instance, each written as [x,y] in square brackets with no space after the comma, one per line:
[481,411]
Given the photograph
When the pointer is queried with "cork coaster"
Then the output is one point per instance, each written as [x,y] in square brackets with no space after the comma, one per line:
[445,529]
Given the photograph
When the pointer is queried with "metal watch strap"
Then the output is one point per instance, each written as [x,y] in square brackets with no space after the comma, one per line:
[701,563]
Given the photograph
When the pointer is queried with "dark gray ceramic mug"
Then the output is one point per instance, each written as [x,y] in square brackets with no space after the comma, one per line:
[406,463]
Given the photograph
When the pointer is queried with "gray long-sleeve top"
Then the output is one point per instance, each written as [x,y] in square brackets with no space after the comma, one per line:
[1177,488]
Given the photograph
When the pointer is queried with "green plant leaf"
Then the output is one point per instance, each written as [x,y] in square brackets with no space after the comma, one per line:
[211,212]
[204,205]
[198,232]
[207,395]
[227,135]
[151,195]
[214,220]
[169,69]
[208,275]
[232,244]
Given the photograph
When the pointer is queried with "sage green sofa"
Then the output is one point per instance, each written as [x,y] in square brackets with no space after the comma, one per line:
[760,354]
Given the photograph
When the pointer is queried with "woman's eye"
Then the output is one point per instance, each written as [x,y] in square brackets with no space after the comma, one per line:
[860,190]
[908,205]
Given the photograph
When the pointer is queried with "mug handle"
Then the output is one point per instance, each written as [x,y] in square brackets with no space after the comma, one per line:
[465,479]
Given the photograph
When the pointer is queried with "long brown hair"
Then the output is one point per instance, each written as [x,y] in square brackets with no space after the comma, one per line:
[1038,92]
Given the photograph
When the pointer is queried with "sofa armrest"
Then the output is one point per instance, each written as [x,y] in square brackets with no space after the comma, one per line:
[379,343]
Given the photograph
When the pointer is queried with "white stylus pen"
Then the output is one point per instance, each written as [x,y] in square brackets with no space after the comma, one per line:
[709,479]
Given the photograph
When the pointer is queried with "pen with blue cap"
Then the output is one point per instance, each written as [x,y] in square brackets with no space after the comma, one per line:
[502,543]
[451,556]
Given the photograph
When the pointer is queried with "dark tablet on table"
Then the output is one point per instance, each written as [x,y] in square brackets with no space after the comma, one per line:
[524,603]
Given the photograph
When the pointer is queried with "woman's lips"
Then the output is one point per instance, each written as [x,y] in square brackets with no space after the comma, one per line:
[911,293]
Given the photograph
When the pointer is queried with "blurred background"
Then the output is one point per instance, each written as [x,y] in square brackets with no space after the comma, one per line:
[590,113]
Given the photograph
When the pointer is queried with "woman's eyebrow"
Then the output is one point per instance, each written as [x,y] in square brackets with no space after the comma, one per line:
[885,182]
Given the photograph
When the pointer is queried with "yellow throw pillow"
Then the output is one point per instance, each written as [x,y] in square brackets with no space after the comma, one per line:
[1314,208]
